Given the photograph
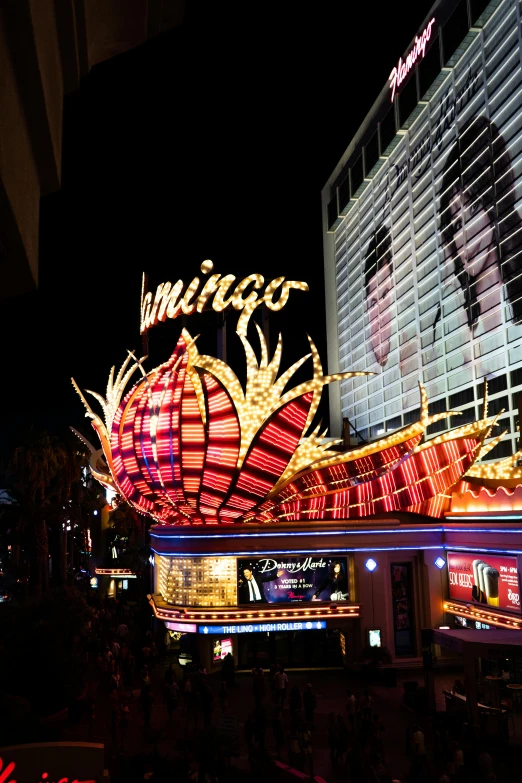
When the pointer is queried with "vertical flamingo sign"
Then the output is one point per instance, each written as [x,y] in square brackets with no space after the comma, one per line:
[417,52]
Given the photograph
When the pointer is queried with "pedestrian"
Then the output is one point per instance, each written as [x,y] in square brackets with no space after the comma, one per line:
[376,734]
[258,684]
[419,745]
[249,732]
[171,692]
[350,709]
[123,631]
[130,669]
[281,684]
[296,704]
[227,666]
[310,703]
[273,669]
[170,675]
[279,734]
[223,696]
[115,650]
[146,702]
[107,662]
[342,738]
[366,706]
[192,704]
[153,655]
[260,726]
[294,754]
[116,681]
[100,664]
[92,693]
[306,748]
[124,725]
[115,719]
[187,693]
[206,701]
[333,738]
[145,655]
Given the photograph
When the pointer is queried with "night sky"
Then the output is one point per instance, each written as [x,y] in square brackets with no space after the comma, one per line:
[211,141]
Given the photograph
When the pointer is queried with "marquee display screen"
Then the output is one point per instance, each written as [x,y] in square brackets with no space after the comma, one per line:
[429,256]
[484,579]
[283,579]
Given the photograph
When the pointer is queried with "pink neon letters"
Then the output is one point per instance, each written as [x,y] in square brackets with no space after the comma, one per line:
[402,69]
[5,773]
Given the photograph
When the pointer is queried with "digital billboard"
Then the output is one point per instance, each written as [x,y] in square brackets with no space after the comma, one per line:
[429,256]
[221,649]
[281,579]
[484,579]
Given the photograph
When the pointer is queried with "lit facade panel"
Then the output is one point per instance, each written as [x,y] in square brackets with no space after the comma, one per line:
[197,581]
[427,262]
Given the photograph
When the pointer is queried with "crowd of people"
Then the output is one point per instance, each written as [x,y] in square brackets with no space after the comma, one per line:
[133,694]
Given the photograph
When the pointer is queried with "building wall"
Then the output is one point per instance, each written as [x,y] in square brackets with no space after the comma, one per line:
[396,218]
[46,47]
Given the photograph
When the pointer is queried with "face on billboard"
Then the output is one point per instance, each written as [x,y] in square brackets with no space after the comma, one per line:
[379,302]
[429,257]
[292,579]
[489,579]
[478,252]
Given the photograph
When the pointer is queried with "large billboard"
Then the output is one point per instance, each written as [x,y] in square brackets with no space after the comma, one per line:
[489,579]
[429,257]
[281,579]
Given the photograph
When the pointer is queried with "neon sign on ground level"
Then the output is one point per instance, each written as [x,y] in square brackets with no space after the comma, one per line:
[307,625]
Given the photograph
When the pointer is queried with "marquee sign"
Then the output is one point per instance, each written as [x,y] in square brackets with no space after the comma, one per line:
[169,301]
[291,579]
[189,445]
[305,625]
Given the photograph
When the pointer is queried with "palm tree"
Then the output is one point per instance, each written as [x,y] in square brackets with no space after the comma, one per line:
[129,537]
[43,472]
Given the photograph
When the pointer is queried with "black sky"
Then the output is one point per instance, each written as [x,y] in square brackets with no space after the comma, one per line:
[212,141]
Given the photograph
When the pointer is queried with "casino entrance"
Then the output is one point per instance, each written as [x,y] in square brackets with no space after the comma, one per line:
[306,649]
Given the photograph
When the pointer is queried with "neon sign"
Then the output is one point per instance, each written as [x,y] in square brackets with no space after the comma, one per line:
[170,300]
[308,625]
[402,69]
[5,775]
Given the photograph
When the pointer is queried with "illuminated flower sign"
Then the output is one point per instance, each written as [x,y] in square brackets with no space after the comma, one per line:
[188,445]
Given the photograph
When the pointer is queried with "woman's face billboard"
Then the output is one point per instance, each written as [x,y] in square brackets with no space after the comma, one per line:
[379,294]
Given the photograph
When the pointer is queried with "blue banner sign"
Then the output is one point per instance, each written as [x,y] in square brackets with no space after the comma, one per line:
[304,625]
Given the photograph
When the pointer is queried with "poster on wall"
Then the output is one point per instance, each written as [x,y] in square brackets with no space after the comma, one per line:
[484,579]
[274,580]
[429,258]
[221,649]
[402,597]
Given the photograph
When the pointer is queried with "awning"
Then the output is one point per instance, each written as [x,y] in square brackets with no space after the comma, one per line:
[483,644]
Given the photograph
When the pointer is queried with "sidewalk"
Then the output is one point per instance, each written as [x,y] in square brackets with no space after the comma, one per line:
[179,745]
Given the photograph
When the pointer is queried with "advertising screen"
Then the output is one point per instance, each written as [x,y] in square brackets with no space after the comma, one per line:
[221,648]
[484,579]
[429,256]
[292,579]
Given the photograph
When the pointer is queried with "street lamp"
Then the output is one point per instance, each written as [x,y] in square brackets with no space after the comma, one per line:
[440,563]
[371,565]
